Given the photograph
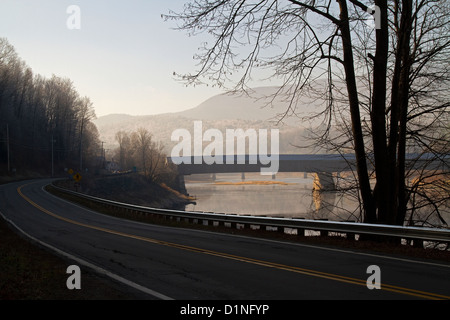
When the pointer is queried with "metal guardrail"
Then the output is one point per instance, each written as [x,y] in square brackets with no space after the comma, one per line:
[349,228]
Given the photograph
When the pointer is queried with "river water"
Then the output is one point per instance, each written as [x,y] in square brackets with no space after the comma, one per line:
[286,195]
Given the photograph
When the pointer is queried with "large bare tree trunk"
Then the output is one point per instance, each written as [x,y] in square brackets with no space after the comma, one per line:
[399,109]
[360,153]
[383,194]
[403,98]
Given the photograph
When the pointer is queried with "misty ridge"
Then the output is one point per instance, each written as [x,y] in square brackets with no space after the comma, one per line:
[258,110]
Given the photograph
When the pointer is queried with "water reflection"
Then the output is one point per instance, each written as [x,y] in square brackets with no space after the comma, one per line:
[324,203]
[286,195]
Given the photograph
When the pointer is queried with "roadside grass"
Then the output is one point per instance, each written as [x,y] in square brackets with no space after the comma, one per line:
[31,272]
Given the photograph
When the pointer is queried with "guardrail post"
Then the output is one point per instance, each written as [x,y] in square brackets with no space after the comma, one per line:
[245,225]
[233,225]
[323,233]
[417,243]
[350,236]
[279,228]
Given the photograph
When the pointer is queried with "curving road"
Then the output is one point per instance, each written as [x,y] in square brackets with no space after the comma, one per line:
[173,263]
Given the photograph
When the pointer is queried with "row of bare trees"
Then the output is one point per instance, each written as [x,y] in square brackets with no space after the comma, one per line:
[138,149]
[384,85]
[45,125]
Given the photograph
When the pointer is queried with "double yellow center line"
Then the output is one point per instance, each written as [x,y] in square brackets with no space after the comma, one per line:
[309,272]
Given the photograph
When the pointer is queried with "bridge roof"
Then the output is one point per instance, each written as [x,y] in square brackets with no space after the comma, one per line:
[283,157]
[318,157]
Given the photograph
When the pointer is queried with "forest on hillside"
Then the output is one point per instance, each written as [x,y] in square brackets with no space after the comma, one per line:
[45,124]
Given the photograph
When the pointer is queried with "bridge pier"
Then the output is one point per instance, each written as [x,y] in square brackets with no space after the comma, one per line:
[323,181]
[181,183]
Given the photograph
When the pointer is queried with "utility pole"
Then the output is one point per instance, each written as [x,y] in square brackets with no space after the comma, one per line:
[81,153]
[7,146]
[52,155]
[81,145]
[102,156]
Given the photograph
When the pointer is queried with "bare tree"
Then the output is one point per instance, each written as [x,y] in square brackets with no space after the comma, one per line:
[383,84]
[156,161]
[38,116]
[143,141]
[85,114]
[139,149]
[123,138]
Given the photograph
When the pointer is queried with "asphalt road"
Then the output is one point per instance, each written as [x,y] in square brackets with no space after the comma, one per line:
[184,264]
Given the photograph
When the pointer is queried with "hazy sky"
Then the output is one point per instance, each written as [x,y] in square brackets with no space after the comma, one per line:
[123,56]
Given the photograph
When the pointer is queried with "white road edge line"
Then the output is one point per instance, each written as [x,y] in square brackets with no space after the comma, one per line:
[92,266]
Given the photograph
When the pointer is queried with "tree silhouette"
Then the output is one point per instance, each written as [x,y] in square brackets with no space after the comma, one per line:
[384,84]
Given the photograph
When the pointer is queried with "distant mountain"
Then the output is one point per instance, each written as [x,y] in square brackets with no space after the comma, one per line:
[224,111]
[257,104]
[113,119]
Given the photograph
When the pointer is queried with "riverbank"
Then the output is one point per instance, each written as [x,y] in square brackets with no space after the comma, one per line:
[130,188]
